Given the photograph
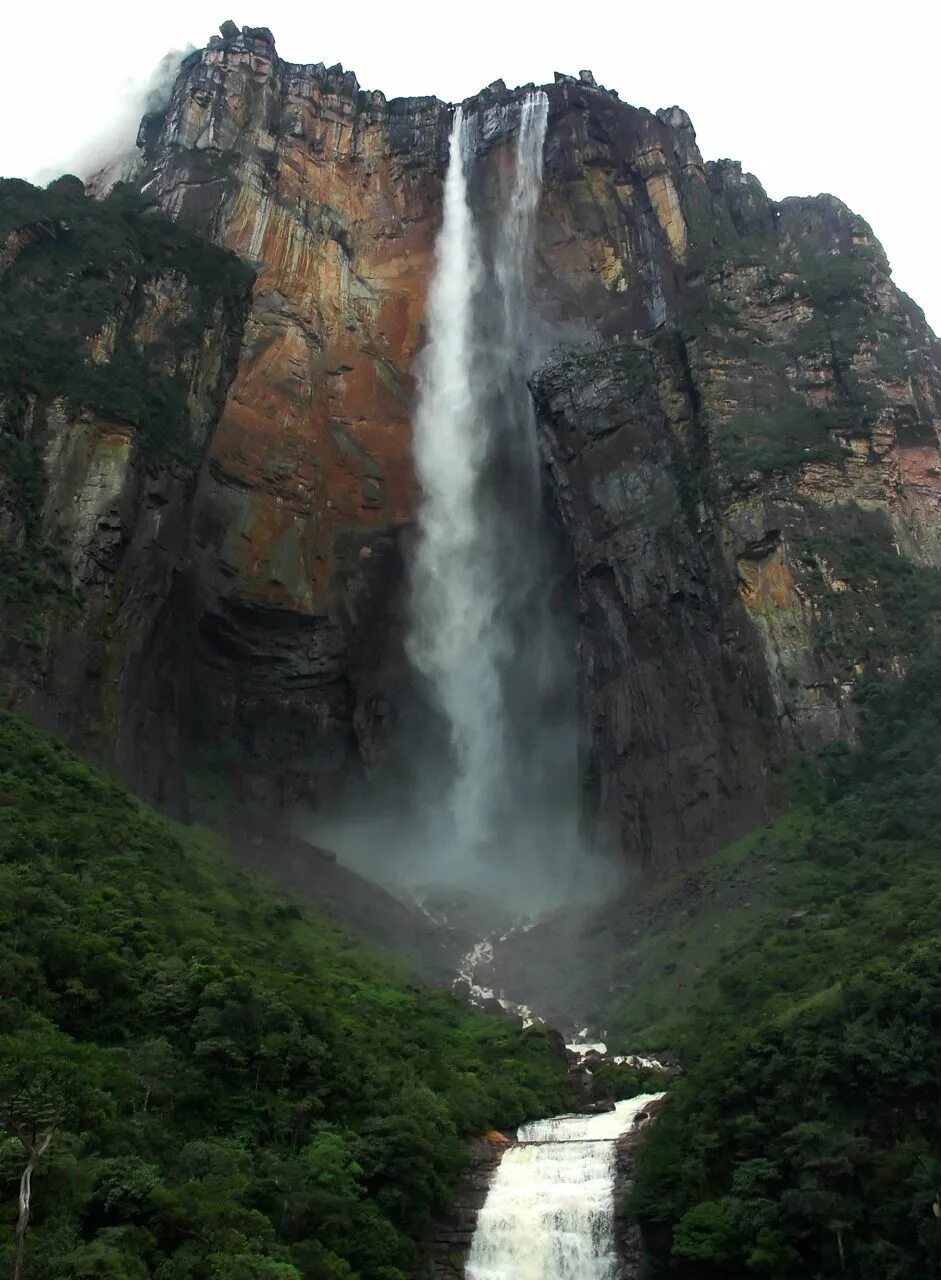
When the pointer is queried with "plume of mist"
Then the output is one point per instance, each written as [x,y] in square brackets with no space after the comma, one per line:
[492,803]
[110,155]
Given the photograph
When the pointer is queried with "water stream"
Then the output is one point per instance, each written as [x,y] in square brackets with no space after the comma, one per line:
[484,636]
[549,1213]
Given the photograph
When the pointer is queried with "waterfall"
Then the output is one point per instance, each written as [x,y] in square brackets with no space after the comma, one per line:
[479,790]
[454,639]
[549,1213]
[497,664]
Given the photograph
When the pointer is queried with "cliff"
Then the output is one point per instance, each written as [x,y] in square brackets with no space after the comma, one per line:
[734,401]
[718,475]
[119,334]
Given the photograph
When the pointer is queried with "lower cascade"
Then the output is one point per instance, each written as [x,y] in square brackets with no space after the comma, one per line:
[549,1213]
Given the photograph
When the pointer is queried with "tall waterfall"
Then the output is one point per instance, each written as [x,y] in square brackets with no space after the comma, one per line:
[455,639]
[549,1213]
[497,664]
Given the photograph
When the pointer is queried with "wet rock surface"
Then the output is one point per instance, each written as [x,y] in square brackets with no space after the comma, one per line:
[725,385]
[684,299]
[447,1249]
[630,1245]
[106,413]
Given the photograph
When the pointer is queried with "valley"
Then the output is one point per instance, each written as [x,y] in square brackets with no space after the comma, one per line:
[470,585]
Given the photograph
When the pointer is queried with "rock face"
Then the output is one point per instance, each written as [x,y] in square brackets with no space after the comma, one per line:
[630,1244]
[713,475]
[120,335]
[332,195]
[444,1254]
[732,398]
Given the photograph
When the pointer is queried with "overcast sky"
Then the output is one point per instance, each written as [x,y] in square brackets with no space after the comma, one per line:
[829,95]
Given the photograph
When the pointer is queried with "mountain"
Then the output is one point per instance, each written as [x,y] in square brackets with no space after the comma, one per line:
[733,397]
[207,510]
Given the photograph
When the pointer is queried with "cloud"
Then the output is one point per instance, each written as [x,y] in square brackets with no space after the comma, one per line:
[110,153]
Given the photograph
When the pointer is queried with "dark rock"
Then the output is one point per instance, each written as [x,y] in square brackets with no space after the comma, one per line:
[261,34]
[68,185]
[656,600]
[599,1108]
[445,1250]
[680,301]
[553,1038]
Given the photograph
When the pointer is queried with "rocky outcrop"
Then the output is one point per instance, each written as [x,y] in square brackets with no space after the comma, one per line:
[712,475]
[331,194]
[627,1234]
[445,1252]
[120,335]
[732,397]
[677,712]
[721,360]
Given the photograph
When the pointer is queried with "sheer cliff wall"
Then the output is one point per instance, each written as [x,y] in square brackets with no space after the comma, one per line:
[733,399]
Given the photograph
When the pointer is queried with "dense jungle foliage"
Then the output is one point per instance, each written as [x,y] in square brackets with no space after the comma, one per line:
[224,1088]
[806,1139]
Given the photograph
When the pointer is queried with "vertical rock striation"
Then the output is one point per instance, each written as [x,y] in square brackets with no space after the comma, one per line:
[119,336]
[757,400]
[332,194]
[734,403]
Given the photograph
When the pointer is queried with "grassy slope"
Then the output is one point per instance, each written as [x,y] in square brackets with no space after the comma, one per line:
[233,1090]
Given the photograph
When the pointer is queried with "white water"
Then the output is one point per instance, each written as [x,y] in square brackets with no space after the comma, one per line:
[452,641]
[480,789]
[467,574]
[497,664]
[480,957]
[549,1213]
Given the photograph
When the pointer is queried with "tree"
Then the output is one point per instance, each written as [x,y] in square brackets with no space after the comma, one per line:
[46,1080]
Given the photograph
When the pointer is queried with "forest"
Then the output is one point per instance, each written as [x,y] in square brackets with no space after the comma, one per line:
[208,1082]
[805,1138]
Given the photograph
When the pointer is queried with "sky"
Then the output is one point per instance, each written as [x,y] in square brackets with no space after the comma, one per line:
[829,95]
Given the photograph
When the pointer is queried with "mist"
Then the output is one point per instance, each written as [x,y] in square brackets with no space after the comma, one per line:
[492,801]
[110,154]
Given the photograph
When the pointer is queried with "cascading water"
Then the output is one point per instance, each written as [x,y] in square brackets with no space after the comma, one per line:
[480,788]
[497,663]
[549,1213]
[454,597]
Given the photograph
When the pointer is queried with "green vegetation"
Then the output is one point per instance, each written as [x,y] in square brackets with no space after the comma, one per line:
[32,570]
[630,362]
[806,1139]
[615,1080]
[77,281]
[779,431]
[831,280]
[776,440]
[80,265]
[210,1083]
[709,315]
[893,604]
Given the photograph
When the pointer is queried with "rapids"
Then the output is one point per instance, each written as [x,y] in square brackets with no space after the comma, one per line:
[549,1213]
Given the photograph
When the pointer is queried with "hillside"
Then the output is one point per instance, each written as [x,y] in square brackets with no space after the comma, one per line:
[504,499]
[805,1137]
[232,1088]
